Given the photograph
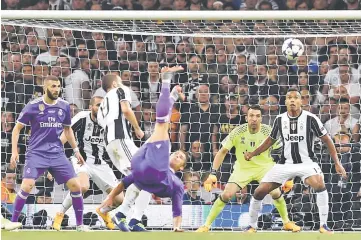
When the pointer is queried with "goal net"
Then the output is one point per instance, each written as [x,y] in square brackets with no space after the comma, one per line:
[230,60]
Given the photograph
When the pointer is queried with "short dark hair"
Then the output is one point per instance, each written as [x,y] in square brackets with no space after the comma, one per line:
[264,2]
[255,107]
[51,78]
[108,80]
[93,99]
[293,90]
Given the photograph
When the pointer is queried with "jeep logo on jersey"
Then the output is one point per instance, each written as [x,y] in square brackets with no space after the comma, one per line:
[294,138]
[94,139]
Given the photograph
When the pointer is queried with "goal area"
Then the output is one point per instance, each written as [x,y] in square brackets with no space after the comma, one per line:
[231,59]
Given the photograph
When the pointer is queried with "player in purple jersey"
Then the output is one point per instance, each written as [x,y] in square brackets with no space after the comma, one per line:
[48,117]
[153,170]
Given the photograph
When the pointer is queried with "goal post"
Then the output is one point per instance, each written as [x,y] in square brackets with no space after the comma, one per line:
[236,55]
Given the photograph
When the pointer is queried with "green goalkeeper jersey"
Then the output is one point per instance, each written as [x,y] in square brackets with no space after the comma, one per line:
[243,141]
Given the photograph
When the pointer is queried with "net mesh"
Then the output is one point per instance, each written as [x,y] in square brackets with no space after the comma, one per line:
[228,64]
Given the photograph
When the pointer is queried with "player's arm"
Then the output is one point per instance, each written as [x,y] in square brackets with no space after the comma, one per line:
[177,201]
[263,147]
[127,181]
[76,124]
[14,144]
[326,139]
[214,139]
[70,137]
[321,132]
[268,142]
[130,116]
[23,120]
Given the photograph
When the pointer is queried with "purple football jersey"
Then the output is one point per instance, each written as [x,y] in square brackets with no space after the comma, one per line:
[151,173]
[46,123]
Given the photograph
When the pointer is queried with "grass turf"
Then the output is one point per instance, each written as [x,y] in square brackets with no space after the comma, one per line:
[114,235]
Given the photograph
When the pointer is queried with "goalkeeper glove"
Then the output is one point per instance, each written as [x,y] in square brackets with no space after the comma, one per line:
[287,186]
[211,181]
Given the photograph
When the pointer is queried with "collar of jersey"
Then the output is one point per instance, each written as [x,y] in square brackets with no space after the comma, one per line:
[48,103]
[295,117]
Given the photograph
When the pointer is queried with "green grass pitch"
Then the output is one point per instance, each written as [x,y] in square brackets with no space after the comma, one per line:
[115,235]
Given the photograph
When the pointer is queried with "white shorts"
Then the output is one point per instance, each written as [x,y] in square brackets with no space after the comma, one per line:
[102,175]
[281,173]
[121,152]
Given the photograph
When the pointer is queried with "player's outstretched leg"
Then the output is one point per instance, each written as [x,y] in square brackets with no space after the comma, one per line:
[256,203]
[230,190]
[78,205]
[318,184]
[280,204]
[68,201]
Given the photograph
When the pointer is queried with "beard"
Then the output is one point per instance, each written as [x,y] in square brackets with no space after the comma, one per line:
[51,96]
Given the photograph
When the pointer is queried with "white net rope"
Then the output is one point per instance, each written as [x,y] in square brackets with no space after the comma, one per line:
[228,64]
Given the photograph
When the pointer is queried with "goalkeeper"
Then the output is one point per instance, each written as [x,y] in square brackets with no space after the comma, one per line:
[246,138]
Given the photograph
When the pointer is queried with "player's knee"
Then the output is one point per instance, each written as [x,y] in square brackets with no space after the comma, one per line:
[276,194]
[73,185]
[226,196]
[27,186]
[319,187]
[259,193]
[84,189]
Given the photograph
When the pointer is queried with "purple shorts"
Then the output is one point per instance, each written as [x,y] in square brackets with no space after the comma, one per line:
[59,166]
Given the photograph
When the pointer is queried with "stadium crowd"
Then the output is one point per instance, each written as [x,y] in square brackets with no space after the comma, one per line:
[222,76]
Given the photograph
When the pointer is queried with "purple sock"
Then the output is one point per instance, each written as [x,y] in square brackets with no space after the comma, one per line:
[78,207]
[164,104]
[19,204]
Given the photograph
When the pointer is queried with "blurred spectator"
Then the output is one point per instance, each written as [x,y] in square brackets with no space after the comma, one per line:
[196,5]
[199,160]
[24,87]
[270,107]
[196,124]
[7,125]
[193,79]
[328,110]
[180,5]
[343,121]
[44,197]
[8,184]
[77,88]
[148,120]
[262,85]
[40,72]
[73,109]
[307,101]
[192,183]
[230,117]
[150,83]
[344,74]
[55,43]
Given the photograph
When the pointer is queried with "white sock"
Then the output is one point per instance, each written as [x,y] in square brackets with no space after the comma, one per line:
[141,203]
[322,204]
[66,203]
[254,209]
[130,196]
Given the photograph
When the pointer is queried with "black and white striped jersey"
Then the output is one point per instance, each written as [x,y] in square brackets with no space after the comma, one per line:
[297,135]
[90,138]
[111,117]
